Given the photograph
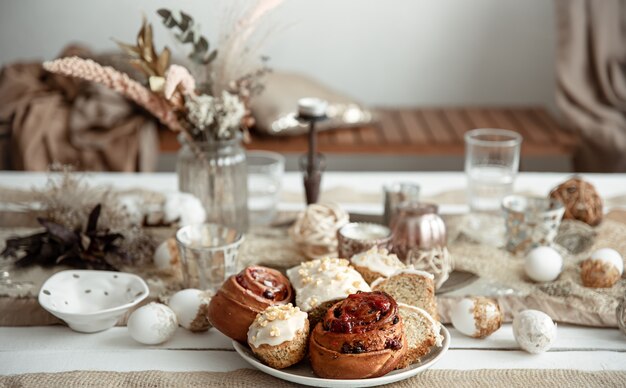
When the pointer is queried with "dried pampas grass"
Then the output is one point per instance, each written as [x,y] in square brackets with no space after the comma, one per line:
[240,41]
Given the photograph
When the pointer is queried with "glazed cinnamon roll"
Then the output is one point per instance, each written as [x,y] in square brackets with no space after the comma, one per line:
[361,336]
[235,305]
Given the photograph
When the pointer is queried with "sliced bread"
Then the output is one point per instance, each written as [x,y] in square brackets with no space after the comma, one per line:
[375,263]
[412,287]
[421,331]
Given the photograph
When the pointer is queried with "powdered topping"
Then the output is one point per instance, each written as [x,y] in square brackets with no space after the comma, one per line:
[275,325]
[324,280]
[378,260]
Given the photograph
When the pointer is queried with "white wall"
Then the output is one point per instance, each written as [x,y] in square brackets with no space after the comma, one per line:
[384,52]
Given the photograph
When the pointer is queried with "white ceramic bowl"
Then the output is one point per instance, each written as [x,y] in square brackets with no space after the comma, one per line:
[90,301]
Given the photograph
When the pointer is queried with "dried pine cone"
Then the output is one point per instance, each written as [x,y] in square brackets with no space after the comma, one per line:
[581,201]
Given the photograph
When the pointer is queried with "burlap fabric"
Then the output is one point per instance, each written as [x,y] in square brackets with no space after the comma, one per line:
[566,300]
[244,378]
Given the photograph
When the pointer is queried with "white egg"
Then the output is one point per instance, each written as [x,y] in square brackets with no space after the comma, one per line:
[534,331]
[183,208]
[543,264]
[166,254]
[476,317]
[152,324]
[191,306]
[609,256]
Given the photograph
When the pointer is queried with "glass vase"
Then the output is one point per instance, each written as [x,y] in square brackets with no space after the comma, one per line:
[215,172]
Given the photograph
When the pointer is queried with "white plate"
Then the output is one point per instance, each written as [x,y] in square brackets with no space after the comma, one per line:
[303,374]
[90,301]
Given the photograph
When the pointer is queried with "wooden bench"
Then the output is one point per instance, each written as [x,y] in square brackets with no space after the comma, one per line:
[433,136]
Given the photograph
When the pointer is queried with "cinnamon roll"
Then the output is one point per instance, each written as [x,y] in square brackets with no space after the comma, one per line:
[235,305]
[361,336]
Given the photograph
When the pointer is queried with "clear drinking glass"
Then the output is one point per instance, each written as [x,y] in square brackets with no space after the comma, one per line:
[395,194]
[265,173]
[208,254]
[491,165]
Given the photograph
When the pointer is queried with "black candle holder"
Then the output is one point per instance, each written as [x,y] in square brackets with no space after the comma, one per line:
[312,164]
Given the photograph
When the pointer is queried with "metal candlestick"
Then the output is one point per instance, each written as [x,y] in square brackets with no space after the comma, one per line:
[312,110]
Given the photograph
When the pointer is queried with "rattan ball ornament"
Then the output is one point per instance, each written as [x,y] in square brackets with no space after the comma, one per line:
[581,201]
[315,229]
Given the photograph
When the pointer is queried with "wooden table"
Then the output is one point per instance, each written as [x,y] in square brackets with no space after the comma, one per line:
[57,348]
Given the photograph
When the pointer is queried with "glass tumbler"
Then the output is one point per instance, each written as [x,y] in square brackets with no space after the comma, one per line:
[208,254]
[395,194]
[491,165]
[265,174]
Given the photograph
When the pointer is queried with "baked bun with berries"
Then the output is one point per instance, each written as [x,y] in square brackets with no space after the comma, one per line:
[237,303]
[360,337]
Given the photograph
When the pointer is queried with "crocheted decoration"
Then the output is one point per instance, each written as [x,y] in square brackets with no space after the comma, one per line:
[436,261]
[581,201]
[315,230]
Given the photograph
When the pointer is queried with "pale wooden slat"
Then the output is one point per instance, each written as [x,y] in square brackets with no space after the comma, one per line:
[62,338]
[416,131]
[371,135]
[479,119]
[505,121]
[19,362]
[390,129]
[521,117]
[562,135]
[346,137]
[437,127]
[458,120]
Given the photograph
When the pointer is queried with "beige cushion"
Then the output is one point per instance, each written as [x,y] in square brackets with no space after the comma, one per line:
[275,108]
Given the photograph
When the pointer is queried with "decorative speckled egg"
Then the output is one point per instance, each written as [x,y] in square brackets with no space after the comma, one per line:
[543,264]
[166,255]
[534,331]
[152,324]
[190,307]
[602,269]
[476,317]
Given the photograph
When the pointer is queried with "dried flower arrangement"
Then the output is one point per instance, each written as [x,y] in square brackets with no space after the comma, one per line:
[210,106]
[84,227]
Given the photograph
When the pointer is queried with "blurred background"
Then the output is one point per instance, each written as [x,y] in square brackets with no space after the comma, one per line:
[409,77]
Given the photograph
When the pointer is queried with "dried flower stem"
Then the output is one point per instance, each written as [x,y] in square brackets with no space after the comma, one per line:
[89,70]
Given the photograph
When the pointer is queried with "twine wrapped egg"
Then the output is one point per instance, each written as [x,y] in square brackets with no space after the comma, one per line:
[602,269]
[476,317]
[581,200]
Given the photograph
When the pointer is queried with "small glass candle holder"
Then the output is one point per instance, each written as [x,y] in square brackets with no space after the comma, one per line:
[357,237]
[208,254]
[395,194]
[530,221]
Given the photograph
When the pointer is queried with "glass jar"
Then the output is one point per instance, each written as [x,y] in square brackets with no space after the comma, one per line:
[215,172]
